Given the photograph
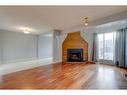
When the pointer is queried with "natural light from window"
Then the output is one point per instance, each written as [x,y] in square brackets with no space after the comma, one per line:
[105,46]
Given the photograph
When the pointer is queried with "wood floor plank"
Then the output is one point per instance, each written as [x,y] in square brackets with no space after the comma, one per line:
[68,76]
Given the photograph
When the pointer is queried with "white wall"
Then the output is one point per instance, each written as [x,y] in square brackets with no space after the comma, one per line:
[18,46]
[20,51]
[45,46]
[0,49]
[23,47]
[88,36]
[60,39]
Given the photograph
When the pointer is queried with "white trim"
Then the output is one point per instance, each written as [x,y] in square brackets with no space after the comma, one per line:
[18,60]
[18,66]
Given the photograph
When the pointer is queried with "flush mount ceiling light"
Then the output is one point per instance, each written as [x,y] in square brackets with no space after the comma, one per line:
[26,30]
[86,21]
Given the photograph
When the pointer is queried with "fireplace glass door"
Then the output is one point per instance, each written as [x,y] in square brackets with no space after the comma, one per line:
[74,55]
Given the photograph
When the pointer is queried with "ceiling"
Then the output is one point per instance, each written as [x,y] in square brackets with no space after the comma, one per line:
[46,18]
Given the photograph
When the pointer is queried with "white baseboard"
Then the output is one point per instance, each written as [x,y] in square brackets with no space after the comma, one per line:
[18,60]
[18,66]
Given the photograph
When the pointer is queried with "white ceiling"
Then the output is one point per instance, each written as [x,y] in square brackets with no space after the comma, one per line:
[44,18]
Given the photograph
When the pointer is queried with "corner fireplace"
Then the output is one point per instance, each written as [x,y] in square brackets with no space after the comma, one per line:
[75,55]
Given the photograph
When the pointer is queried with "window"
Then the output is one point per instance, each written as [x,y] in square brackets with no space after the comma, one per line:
[100,46]
[105,46]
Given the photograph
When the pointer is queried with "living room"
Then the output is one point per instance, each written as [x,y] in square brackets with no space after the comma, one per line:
[63,47]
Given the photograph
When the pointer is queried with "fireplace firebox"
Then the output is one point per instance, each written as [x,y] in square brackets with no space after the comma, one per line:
[75,55]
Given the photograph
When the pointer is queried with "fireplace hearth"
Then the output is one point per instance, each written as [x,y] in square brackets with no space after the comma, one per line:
[75,55]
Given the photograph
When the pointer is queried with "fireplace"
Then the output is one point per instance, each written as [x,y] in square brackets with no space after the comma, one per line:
[74,48]
[75,55]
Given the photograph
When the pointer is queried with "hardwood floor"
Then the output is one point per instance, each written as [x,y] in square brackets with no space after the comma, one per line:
[68,76]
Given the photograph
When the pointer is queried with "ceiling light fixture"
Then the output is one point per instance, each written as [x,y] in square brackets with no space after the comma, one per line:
[86,21]
[26,30]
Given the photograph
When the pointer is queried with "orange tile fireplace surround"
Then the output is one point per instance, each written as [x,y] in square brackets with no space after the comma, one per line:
[74,41]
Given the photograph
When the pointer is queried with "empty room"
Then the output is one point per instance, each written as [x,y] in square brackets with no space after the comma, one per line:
[63,47]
